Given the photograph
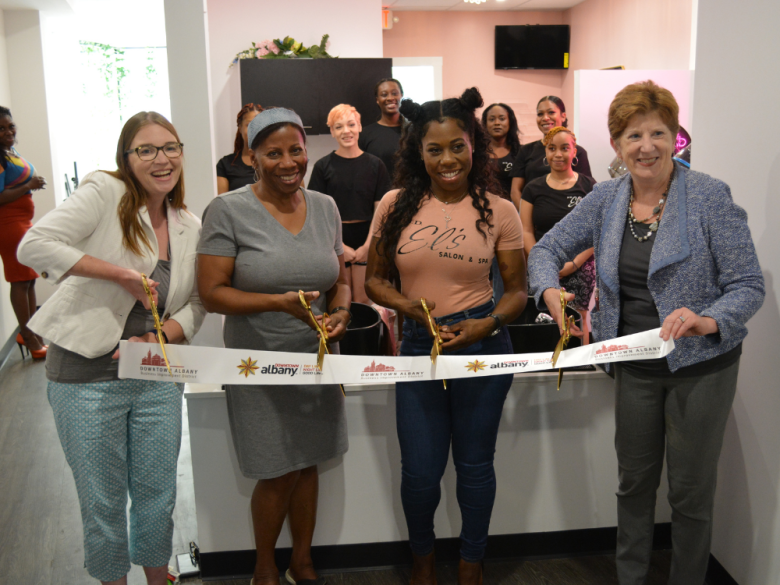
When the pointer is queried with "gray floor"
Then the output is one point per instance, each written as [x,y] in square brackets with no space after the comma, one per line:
[41,538]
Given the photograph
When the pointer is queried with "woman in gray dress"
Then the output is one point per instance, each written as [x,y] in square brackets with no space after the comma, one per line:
[260,245]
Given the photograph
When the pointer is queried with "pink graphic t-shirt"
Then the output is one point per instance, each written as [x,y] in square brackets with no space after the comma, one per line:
[448,262]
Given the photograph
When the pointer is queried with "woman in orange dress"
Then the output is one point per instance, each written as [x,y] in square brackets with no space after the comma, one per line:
[17,182]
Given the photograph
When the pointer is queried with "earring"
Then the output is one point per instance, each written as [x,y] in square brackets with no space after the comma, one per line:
[544,161]
[575,162]
[256,177]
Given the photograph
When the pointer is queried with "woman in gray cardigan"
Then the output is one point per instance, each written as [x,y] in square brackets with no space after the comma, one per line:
[672,250]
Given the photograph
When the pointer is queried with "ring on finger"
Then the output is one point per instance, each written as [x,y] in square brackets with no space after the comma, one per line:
[682,318]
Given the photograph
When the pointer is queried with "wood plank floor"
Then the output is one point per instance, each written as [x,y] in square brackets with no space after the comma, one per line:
[41,536]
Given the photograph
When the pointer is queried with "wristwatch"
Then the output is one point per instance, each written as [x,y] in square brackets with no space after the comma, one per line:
[498,324]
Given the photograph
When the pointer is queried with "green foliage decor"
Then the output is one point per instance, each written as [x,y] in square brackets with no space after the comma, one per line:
[287,48]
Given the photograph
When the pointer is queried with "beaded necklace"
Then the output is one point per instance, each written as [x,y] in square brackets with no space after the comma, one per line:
[657,210]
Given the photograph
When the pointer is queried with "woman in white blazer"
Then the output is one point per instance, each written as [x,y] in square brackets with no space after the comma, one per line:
[120,437]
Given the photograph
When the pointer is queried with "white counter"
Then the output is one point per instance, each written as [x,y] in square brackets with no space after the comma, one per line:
[555,464]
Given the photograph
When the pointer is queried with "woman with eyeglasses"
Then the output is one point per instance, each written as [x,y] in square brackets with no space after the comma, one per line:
[121,437]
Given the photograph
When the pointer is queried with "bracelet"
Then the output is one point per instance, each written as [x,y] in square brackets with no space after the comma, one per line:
[165,335]
[498,324]
[575,265]
[336,309]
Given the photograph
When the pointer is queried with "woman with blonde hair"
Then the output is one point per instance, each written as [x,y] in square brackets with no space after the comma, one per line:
[121,437]
[357,181]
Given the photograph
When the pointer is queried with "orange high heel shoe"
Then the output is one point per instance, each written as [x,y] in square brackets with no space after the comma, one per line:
[37,354]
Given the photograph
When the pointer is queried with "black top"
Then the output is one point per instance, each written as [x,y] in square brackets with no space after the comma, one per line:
[236,171]
[381,141]
[639,313]
[552,205]
[354,183]
[529,164]
[504,175]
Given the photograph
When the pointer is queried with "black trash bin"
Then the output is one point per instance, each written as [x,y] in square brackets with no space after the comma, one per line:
[530,337]
[364,333]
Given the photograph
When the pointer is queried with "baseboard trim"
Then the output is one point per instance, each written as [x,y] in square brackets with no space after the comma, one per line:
[362,557]
[8,347]
[718,575]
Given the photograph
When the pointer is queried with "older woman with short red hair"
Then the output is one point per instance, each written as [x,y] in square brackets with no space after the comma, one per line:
[674,251]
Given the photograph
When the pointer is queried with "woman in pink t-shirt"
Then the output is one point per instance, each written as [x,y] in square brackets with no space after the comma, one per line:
[439,234]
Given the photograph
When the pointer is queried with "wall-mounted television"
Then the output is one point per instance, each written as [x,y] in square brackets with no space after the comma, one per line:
[533,46]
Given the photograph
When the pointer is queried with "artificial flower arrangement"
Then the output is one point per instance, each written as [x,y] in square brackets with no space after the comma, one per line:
[287,48]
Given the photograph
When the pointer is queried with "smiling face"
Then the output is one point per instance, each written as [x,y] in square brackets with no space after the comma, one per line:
[646,147]
[346,131]
[561,151]
[446,152]
[388,97]
[281,160]
[7,132]
[497,125]
[158,177]
[548,116]
[245,119]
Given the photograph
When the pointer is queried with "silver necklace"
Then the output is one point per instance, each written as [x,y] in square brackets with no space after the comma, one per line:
[656,213]
[447,216]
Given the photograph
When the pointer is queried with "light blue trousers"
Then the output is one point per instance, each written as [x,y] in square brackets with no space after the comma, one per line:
[122,438]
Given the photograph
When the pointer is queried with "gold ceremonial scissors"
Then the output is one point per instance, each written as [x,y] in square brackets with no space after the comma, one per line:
[323,349]
[564,340]
[157,323]
[436,350]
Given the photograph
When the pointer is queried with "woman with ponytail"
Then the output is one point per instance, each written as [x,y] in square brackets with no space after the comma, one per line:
[235,170]
[439,233]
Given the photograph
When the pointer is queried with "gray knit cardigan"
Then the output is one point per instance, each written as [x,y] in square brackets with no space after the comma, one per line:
[703,259]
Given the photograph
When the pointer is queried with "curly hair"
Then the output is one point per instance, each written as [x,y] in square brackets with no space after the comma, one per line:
[413,178]
[557,130]
[513,135]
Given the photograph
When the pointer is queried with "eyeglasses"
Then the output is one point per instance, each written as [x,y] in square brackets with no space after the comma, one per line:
[149,152]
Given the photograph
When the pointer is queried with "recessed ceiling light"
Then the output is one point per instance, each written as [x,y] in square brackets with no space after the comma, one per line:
[475,1]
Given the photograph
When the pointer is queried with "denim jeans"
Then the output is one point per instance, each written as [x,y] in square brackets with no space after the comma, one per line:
[467,414]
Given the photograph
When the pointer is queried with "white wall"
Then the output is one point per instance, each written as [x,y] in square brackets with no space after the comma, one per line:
[191,114]
[735,126]
[26,88]
[7,318]
[355,30]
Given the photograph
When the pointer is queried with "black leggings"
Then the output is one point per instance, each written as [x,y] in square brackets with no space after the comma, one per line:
[354,235]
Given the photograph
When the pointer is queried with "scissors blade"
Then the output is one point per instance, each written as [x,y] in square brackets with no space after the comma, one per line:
[157,323]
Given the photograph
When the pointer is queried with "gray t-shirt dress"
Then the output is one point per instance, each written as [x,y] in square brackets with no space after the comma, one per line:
[278,429]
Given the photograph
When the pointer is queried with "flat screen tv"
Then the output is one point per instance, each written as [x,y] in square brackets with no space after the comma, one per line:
[537,46]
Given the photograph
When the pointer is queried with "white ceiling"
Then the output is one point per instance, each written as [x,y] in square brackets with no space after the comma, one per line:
[56,6]
[400,5]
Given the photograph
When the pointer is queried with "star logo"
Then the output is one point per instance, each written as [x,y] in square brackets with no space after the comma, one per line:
[476,366]
[247,367]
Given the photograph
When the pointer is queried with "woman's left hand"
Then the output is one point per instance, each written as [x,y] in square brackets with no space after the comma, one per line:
[465,333]
[335,325]
[685,323]
[149,337]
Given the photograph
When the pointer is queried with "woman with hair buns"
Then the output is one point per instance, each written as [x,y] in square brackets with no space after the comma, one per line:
[673,251]
[121,437]
[530,162]
[235,170]
[439,233]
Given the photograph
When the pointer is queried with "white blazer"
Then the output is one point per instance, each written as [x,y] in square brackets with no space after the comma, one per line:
[87,315]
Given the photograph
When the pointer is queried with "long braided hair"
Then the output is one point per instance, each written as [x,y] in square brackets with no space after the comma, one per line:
[412,177]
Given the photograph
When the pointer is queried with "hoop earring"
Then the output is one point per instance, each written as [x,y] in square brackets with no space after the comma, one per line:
[257,179]
[575,162]
[544,161]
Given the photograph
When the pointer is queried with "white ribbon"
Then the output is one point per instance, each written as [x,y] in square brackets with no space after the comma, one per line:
[212,365]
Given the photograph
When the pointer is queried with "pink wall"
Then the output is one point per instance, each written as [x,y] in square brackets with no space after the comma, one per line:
[465,41]
[634,33]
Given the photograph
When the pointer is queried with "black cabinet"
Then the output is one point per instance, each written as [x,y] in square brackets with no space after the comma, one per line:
[312,87]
